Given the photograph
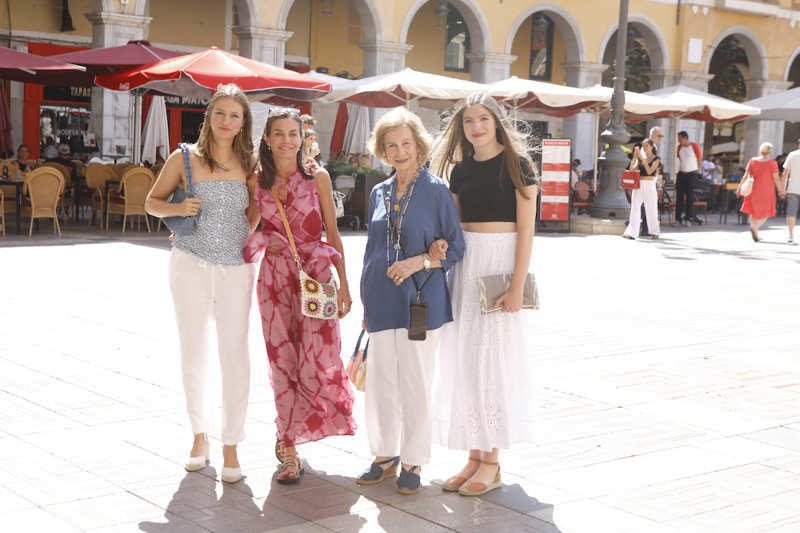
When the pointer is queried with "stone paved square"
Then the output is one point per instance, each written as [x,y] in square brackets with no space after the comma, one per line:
[666,377]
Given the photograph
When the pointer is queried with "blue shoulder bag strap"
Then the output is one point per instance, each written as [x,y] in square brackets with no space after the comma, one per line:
[187,163]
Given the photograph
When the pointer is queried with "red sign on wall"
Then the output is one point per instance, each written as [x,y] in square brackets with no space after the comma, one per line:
[555,179]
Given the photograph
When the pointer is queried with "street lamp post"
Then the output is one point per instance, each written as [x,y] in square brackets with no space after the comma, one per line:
[611,202]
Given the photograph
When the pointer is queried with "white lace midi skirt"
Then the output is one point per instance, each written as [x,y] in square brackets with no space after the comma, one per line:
[482,394]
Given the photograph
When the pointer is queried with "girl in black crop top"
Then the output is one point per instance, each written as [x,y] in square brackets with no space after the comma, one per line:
[483,404]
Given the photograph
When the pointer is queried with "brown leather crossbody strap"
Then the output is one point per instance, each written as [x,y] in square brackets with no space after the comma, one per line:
[286,225]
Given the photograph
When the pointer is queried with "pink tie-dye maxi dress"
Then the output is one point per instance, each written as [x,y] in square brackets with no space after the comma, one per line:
[312,395]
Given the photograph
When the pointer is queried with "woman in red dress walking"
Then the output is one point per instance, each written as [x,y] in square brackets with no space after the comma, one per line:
[760,204]
[312,395]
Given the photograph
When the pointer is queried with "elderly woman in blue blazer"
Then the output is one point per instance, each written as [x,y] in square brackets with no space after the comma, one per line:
[405,297]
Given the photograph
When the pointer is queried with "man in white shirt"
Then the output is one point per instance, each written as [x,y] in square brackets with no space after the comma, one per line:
[708,167]
[689,158]
[791,173]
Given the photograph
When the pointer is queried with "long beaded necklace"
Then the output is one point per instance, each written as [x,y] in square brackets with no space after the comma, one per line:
[394,226]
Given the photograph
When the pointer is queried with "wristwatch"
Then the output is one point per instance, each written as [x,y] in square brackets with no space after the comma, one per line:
[426,262]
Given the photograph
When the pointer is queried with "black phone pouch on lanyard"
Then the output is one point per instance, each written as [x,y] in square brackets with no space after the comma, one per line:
[418,328]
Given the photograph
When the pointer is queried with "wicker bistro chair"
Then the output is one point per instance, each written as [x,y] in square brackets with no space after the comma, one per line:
[97,174]
[2,214]
[10,169]
[134,186]
[10,203]
[65,201]
[44,187]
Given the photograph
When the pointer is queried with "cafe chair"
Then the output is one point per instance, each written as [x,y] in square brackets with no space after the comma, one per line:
[44,187]
[666,205]
[121,168]
[699,204]
[582,197]
[2,214]
[97,174]
[66,200]
[10,194]
[134,186]
[10,169]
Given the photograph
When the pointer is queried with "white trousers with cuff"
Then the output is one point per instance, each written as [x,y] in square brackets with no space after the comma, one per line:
[398,394]
[646,194]
[203,292]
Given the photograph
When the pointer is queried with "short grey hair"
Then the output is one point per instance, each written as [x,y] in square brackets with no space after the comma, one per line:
[765,147]
[654,130]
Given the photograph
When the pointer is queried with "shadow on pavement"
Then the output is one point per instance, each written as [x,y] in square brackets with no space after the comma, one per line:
[195,507]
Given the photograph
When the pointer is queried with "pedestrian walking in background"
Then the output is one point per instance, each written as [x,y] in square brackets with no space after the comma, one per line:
[208,275]
[312,394]
[647,162]
[790,184]
[482,399]
[656,135]
[760,204]
[405,297]
[689,158]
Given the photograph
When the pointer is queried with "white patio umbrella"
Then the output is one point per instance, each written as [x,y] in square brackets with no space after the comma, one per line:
[357,131]
[779,106]
[335,81]
[703,106]
[548,98]
[401,88]
[156,131]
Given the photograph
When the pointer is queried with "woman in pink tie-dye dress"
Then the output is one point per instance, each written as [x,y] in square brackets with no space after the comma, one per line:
[312,395]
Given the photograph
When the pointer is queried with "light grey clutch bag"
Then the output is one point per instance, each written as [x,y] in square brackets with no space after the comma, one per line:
[492,288]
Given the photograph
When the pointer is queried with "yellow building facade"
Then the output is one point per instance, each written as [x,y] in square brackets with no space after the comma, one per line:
[562,41]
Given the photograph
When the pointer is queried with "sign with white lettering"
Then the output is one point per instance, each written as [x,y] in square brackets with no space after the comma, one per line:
[555,179]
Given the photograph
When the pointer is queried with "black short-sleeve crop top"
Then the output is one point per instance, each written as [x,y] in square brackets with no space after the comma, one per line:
[485,190]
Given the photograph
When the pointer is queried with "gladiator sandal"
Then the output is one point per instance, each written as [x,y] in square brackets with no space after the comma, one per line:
[292,468]
[280,452]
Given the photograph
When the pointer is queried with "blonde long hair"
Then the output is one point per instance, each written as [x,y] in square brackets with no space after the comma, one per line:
[454,146]
[242,144]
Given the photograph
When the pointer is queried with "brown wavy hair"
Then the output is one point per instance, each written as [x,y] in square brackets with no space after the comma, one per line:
[454,146]
[268,170]
[242,144]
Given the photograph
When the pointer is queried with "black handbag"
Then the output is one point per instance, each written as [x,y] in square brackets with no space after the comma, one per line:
[181,225]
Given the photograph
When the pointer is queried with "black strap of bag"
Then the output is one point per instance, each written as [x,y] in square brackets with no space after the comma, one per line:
[358,347]
[418,326]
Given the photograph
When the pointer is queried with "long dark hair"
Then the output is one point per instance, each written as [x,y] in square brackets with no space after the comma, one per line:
[268,170]
[242,143]
[455,146]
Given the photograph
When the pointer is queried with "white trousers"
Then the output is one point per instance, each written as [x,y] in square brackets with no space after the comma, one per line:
[646,194]
[398,393]
[203,292]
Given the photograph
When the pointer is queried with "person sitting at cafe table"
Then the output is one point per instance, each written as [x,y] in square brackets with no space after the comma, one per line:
[22,159]
[63,158]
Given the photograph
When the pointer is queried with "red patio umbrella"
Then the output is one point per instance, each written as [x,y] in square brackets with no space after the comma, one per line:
[198,75]
[30,68]
[5,123]
[103,60]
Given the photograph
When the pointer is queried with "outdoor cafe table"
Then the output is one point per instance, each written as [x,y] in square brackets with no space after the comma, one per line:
[18,185]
